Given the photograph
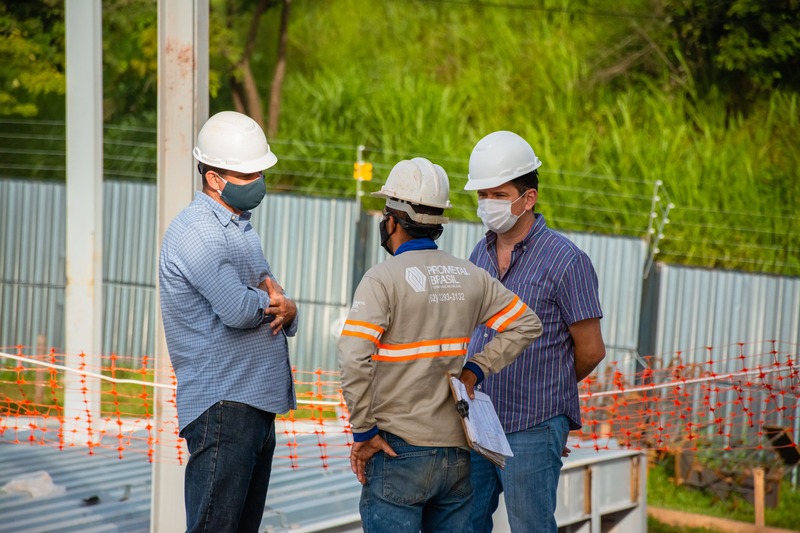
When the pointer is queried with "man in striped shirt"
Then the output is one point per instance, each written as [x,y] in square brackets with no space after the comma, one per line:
[536,397]
[407,330]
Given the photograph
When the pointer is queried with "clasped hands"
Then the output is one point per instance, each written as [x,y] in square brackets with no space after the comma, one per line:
[282,308]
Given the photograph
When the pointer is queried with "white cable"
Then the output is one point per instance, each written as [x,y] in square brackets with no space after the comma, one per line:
[128,381]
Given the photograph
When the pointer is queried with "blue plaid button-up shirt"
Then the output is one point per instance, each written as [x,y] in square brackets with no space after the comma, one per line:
[210,266]
[557,280]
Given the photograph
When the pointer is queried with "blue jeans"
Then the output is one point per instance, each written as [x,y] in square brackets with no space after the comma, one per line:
[422,489]
[530,479]
[231,447]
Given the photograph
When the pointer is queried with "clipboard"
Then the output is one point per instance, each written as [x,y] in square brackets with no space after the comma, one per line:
[481,425]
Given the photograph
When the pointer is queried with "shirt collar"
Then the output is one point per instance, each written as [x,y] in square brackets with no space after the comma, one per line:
[539,225]
[416,244]
[223,214]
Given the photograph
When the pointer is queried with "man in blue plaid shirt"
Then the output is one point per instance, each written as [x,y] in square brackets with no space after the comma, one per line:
[226,320]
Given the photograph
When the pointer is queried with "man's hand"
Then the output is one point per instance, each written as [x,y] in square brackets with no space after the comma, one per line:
[362,452]
[469,379]
[283,308]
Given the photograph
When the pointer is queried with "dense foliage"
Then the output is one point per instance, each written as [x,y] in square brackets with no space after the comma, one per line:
[746,45]
[32,52]
[615,96]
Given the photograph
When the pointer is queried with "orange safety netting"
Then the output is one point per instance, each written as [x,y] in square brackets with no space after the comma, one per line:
[738,396]
[722,398]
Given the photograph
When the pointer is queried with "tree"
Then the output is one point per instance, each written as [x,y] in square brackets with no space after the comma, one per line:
[745,47]
[32,55]
[130,60]
[280,71]
[742,49]
[233,58]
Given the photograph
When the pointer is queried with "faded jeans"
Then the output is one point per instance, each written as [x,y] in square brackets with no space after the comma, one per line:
[227,475]
[529,481]
[422,489]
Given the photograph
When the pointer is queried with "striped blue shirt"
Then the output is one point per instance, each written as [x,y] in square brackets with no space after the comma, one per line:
[557,280]
[210,266]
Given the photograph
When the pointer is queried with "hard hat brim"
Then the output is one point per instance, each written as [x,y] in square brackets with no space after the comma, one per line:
[263,163]
[489,183]
[382,194]
[256,165]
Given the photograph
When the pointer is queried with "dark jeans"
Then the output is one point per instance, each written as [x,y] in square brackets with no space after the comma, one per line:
[231,447]
[422,489]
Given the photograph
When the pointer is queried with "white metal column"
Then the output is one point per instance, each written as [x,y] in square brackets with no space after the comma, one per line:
[84,261]
[182,109]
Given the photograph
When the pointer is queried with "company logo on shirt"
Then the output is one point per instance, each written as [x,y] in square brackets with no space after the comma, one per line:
[439,277]
[416,279]
[446,276]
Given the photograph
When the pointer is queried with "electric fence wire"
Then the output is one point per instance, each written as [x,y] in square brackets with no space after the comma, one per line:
[683,216]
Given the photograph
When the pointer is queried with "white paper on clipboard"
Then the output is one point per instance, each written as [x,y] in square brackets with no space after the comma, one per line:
[481,425]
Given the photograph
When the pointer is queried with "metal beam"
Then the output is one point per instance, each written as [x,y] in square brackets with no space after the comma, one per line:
[84,261]
[182,109]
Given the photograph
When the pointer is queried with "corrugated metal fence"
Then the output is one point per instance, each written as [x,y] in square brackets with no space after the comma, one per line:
[319,247]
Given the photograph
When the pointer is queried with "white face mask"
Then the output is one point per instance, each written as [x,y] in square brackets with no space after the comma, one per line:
[496,214]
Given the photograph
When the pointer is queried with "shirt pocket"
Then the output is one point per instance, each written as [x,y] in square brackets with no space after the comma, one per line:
[539,295]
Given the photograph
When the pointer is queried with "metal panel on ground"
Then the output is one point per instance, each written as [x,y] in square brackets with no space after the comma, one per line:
[597,489]
[105,493]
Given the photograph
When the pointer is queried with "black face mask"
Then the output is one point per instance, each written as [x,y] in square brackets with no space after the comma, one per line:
[385,234]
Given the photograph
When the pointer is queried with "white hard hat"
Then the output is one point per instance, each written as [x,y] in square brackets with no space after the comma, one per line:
[417,181]
[233,141]
[499,158]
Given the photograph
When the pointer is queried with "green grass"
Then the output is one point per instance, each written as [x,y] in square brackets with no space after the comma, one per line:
[430,79]
[123,399]
[441,81]
[654,526]
[18,394]
[663,492]
[311,392]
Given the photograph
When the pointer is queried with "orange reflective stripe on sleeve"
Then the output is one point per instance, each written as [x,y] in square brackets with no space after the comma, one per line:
[511,312]
[421,350]
[364,330]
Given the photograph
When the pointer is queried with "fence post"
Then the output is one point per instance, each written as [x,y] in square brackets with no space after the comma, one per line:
[758,495]
[38,392]
[362,220]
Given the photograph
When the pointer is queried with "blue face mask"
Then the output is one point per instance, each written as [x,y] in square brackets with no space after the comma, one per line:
[244,197]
